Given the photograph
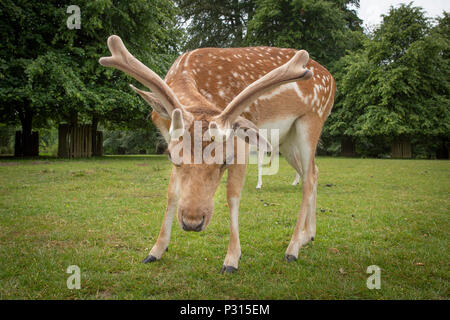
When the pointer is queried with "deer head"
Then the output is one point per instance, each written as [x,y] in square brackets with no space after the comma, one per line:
[203,141]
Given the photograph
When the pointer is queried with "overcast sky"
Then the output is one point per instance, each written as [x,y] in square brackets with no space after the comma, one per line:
[370,11]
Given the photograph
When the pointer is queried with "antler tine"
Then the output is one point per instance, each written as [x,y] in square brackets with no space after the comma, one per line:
[291,71]
[123,60]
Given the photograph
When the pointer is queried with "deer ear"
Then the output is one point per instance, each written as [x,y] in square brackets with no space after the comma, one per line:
[153,101]
[177,126]
[249,132]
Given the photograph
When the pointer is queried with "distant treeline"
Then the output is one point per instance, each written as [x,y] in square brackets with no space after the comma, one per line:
[392,79]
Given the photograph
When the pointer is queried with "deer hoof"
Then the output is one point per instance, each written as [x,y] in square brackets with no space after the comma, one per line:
[228,269]
[290,258]
[149,258]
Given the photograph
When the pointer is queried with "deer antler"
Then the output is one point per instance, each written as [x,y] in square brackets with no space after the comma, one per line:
[123,60]
[291,71]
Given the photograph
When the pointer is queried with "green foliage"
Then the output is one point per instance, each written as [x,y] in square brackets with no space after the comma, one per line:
[215,23]
[6,139]
[138,141]
[391,83]
[53,72]
[397,85]
[48,141]
[326,29]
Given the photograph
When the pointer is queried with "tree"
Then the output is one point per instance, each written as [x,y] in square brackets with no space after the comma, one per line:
[19,46]
[326,29]
[51,72]
[215,23]
[397,85]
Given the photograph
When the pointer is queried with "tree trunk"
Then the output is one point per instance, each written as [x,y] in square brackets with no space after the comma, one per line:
[347,147]
[18,148]
[99,142]
[73,119]
[94,136]
[63,147]
[443,151]
[27,145]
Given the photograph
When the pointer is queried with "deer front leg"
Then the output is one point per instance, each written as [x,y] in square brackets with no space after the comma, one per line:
[162,243]
[235,182]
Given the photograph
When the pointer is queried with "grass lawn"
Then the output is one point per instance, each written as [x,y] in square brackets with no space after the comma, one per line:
[104,215]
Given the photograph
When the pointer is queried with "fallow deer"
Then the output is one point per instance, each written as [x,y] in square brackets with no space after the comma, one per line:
[247,89]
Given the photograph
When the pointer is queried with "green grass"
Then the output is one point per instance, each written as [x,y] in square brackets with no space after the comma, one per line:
[104,215]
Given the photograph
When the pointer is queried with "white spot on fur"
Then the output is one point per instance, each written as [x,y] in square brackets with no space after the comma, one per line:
[281,89]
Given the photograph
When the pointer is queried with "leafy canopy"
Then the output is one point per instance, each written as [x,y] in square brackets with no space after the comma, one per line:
[53,72]
[326,29]
[398,84]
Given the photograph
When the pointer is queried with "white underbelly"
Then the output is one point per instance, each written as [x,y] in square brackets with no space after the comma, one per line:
[278,127]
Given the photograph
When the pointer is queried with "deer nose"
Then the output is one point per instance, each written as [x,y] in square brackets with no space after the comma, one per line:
[192,226]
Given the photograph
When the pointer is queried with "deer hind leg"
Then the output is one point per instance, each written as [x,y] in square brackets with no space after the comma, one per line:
[235,182]
[162,243]
[291,151]
[297,179]
[274,153]
[260,163]
[300,153]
